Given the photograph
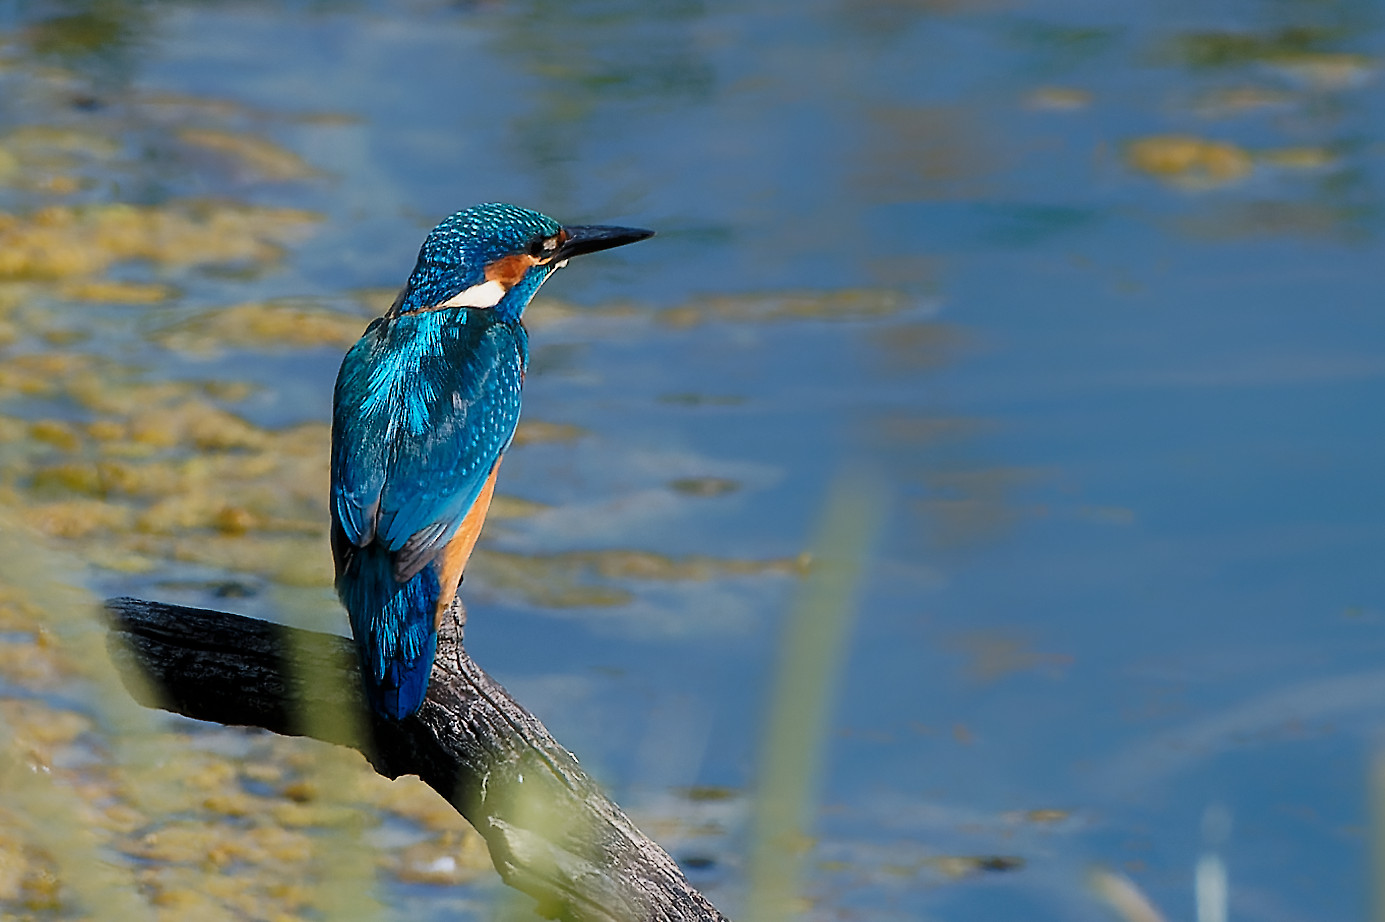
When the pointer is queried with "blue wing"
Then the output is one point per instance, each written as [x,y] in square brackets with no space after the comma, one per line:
[425,405]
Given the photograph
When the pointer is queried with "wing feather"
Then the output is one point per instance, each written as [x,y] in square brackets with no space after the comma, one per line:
[425,405]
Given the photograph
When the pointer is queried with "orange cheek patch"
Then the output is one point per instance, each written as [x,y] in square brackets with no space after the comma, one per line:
[508,270]
[458,550]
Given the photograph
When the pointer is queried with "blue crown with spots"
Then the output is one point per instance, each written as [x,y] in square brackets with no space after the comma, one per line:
[496,256]
[456,253]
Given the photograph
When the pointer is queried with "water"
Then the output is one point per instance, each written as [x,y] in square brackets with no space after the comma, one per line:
[1088,290]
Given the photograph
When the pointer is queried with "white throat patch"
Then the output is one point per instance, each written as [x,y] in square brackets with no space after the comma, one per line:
[486,294]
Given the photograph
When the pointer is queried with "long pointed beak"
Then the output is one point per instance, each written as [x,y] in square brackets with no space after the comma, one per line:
[588,238]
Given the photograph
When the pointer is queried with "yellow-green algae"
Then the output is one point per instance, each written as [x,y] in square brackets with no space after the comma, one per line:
[60,241]
[264,326]
[574,579]
[106,813]
[162,472]
[1198,163]
[255,155]
[1299,51]
[214,824]
[1189,161]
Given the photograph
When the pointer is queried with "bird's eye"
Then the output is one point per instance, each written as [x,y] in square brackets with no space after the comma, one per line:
[543,247]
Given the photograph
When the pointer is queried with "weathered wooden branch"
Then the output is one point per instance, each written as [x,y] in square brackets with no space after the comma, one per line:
[551,832]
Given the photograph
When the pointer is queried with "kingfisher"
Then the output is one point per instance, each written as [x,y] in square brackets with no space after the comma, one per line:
[426,404]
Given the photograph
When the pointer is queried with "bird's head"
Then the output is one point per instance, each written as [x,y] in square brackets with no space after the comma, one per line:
[496,256]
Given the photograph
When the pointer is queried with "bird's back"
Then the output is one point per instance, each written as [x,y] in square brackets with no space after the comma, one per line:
[425,405]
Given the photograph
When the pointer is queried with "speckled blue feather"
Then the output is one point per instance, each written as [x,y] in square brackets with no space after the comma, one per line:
[456,253]
[426,403]
[394,643]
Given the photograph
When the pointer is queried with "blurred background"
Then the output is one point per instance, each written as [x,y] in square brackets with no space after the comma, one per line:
[1026,355]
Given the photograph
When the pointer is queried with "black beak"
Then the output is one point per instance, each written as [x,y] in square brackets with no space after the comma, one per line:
[588,238]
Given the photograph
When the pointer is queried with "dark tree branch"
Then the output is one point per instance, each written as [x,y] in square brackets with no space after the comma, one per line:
[551,832]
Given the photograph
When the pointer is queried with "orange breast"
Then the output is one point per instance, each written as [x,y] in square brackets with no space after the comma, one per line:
[458,550]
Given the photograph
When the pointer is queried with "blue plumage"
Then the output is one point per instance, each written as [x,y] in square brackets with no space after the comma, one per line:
[426,403]
[457,252]
[392,622]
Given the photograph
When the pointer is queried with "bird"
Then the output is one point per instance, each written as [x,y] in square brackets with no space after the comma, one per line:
[425,407]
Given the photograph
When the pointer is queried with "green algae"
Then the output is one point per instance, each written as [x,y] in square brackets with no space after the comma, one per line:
[255,155]
[162,473]
[129,473]
[60,242]
[1216,49]
[547,312]
[1189,161]
[532,431]
[578,579]
[1198,163]
[211,824]
[265,326]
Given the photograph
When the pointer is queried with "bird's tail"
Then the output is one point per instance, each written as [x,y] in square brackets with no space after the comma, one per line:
[395,629]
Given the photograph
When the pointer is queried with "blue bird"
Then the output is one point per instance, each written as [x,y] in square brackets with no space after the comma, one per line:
[426,404]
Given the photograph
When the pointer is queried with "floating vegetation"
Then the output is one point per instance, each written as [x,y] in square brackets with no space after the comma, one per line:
[112,292]
[531,431]
[1298,158]
[1236,100]
[546,312]
[162,472]
[1197,163]
[1301,53]
[257,156]
[574,579]
[54,161]
[1327,72]
[41,143]
[1233,49]
[261,325]
[514,507]
[212,823]
[1189,161]
[153,473]
[64,241]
